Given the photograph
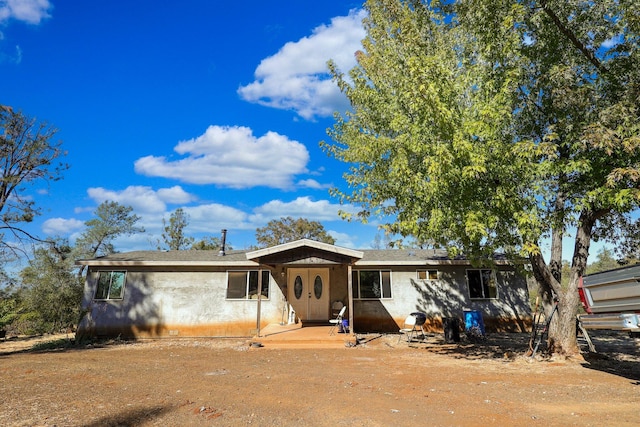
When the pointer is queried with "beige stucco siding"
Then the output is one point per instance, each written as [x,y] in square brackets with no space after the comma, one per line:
[448,296]
[176,303]
[183,293]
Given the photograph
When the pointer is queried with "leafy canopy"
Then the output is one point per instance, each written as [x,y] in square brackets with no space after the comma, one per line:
[483,125]
[50,293]
[210,243]
[173,234]
[491,125]
[429,135]
[111,221]
[288,229]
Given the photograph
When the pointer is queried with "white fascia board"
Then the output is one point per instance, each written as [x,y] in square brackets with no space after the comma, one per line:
[105,263]
[302,243]
[421,263]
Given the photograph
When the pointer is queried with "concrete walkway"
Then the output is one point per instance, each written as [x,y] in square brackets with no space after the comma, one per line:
[298,336]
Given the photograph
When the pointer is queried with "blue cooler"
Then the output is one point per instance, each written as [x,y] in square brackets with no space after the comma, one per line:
[473,319]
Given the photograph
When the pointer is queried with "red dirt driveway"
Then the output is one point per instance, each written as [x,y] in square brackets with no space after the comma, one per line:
[380,382]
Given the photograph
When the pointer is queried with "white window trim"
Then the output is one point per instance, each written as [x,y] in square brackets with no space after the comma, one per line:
[108,298]
[427,270]
[246,298]
[380,271]
[493,278]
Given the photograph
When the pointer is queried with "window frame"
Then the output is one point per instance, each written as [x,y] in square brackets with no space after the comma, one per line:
[385,279]
[109,287]
[250,286]
[486,288]
[428,272]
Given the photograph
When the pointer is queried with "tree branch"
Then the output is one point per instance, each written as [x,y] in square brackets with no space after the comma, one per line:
[589,54]
[15,231]
[543,275]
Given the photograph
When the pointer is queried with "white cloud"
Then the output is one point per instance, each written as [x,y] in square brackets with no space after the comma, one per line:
[342,239]
[175,195]
[232,157]
[61,226]
[312,183]
[302,207]
[136,242]
[29,11]
[296,78]
[213,217]
[142,199]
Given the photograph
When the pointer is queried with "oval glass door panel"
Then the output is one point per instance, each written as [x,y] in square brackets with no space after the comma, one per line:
[317,287]
[297,287]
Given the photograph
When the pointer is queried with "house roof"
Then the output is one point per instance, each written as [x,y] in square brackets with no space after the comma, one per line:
[408,257]
[172,258]
[302,249]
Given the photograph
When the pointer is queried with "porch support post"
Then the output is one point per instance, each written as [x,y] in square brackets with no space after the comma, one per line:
[350,302]
[259,300]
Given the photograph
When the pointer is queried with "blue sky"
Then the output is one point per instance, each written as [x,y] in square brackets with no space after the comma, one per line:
[214,107]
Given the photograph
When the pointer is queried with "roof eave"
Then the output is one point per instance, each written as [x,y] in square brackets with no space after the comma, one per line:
[302,243]
[125,263]
[427,262]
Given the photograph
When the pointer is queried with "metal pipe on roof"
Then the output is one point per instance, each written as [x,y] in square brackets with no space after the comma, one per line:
[223,242]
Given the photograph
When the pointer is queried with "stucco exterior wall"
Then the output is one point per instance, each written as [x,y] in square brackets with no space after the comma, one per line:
[175,303]
[191,301]
[448,296]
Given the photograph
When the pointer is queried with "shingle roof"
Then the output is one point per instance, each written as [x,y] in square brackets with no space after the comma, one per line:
[186,257]
[239,258]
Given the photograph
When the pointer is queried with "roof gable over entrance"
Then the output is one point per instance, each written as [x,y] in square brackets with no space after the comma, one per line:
[305,251]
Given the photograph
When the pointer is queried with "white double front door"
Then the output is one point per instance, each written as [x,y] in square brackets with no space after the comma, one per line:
[309,293]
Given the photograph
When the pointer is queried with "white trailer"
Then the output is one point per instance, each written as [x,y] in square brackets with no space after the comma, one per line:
[611,299]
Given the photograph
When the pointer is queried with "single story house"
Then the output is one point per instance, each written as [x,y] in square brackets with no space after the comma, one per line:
[193,293]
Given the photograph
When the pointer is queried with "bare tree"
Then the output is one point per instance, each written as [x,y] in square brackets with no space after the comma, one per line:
[27,154]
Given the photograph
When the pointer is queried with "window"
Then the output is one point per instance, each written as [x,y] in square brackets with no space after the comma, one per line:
[110,284]
[427,274]
[482,284]
[244,284]
[371,284]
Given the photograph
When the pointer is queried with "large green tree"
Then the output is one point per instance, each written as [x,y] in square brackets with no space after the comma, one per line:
[288,229]
[28,154]
[492,125]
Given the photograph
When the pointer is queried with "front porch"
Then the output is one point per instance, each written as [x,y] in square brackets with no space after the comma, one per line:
[313,277]
[302,336]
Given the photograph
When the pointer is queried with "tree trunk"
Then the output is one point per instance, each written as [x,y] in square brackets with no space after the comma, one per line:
[557,233]
[548,286]
[562,334]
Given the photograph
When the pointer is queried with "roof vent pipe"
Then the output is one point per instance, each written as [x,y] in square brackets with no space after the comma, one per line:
[223,242]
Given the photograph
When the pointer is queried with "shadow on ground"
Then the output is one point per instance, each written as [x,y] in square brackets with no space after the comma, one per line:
[617,352]
[131,417]
[493,346]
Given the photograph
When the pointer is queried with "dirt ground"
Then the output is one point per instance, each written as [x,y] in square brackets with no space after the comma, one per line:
[380,382]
